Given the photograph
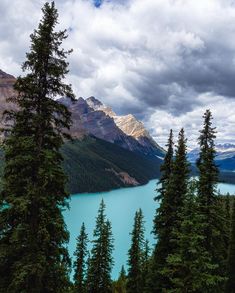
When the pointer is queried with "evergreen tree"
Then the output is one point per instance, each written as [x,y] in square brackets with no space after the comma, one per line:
[146,264]
[161,223]
[166,169]
[231,256]
[178,185]
[208,175]
[211,209]
[190,267]
[80,262]
[177,190]
[136,255]
[168,219]
[101,261]
[119,286]
[33,257]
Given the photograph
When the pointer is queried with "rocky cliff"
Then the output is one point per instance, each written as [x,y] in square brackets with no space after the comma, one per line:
[92,117]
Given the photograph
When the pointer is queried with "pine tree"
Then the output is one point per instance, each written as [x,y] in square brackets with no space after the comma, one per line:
[177,191]
[166,169]
[178,185]
[33,257]
[161,225]
[208,175]
[101,261]
[136,255]
[230,288]
[190,268]
[119,286]
[80,262]
[212,213]
[169,216]
[146,264]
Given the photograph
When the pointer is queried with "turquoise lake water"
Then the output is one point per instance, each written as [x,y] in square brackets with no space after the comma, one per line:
[121,205]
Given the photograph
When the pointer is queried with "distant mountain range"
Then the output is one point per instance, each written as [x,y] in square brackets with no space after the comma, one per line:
[225,156]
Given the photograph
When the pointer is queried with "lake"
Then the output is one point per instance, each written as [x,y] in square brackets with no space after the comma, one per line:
[121,205]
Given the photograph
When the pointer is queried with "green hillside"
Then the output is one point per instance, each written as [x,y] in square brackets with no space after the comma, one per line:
[93,165]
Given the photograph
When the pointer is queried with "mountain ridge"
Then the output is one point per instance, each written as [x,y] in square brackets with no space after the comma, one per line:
[225,156]
[92,117]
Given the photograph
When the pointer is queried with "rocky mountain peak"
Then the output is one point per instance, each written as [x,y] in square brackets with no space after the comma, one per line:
[96,105]
[91,117]
[93,102]
[131,126]
[4,75]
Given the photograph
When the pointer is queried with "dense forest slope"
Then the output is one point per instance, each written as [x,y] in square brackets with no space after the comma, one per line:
[94,165]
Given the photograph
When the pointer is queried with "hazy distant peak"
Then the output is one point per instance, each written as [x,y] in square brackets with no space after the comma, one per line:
[226,147]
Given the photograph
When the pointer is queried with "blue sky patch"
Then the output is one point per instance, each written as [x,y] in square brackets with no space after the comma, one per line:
[97,2]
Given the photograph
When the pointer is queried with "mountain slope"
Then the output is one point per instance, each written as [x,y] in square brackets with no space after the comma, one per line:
[91,117]
[225,156]
[6,90]
[95,165]
[130,126]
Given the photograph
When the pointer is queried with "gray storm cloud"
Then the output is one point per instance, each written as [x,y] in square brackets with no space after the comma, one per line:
[150,58]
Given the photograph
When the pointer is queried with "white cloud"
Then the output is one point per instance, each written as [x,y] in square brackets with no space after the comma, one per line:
[160,122]
[164,60]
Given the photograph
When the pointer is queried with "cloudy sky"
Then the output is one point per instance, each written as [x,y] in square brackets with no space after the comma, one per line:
[165,61]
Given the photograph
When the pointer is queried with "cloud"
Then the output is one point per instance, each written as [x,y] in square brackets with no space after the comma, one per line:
[169,58]
[160,122]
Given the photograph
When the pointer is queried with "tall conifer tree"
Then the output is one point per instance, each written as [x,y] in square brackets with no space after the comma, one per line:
[161,225]
[33,257]
[136,256]
[177,190]
[190,268]
[211,209]
[101,261]
[208,175]
[80,263]
[231,257]
[169,217]
[119,286]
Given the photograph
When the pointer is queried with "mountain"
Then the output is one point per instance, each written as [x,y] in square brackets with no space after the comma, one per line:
[104,154]
[130,126]
[92,117]
[6,90]
[225,156]
[95,165]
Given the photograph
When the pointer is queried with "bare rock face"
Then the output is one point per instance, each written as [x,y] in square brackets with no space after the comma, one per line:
[130,126]
[6,90]
[98,106]
[91,117]
[86,120]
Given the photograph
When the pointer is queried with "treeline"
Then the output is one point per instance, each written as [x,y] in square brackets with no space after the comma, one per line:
[92,165]
[194,228]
